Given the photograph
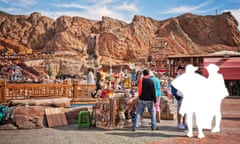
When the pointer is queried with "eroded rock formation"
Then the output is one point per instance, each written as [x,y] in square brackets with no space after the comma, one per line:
[81,43]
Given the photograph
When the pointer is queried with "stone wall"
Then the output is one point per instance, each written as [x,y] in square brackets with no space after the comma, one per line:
[33,115]
[168,109]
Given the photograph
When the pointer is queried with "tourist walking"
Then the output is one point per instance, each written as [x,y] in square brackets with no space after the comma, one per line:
[217,91]
[157,85]
[193,86]
[181,119]
[147,98]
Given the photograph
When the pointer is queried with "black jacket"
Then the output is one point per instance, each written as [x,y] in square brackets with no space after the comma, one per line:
[148,90]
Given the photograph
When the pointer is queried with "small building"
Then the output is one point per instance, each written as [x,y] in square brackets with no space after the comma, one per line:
[228,62]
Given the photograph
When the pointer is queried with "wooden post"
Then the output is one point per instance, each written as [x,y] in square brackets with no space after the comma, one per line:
[1,91]
[75,90]
[4,83]
[65,92]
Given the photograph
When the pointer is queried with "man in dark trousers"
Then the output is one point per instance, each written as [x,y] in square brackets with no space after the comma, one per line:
[147,98]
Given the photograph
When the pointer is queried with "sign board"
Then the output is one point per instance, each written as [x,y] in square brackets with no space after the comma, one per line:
[55,117]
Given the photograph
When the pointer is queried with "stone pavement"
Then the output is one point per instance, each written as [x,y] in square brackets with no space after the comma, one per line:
[168,133]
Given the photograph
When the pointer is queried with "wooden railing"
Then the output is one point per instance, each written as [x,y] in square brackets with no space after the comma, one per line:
[74,91]
[82,93]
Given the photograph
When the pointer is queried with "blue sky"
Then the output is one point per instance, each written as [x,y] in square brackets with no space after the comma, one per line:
[121,9]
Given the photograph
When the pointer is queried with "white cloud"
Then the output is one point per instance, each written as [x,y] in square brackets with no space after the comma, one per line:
[6,1]
[100,2]
[187,9]
[98,12]
[95,10]
[72,5]
[20,3]
[128,7]
[89,14]
[27,2]
[236,14]
[7,10]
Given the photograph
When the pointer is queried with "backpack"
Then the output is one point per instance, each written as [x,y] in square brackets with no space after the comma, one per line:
[174,93]
[3,110]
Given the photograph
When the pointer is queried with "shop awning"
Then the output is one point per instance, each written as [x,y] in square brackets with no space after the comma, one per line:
[229,67]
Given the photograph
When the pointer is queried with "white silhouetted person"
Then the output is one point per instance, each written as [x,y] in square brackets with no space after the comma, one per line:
[216,93]
[193,86]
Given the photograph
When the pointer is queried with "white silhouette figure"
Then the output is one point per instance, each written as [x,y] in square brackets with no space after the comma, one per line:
[193,86]
[216,93]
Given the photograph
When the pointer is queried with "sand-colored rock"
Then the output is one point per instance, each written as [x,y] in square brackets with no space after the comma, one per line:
[34,117]
[52,102]
[79,43]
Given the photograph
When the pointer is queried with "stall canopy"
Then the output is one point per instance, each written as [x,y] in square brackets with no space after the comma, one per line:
[229,67]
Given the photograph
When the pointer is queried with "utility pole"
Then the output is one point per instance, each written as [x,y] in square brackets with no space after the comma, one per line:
[158,43]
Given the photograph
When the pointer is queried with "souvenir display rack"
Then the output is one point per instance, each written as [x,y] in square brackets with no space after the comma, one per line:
[108,112]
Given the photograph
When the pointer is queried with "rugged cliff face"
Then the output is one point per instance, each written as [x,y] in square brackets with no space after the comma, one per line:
[93,42]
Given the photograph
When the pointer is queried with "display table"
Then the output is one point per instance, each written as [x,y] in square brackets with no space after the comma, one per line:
[108,113]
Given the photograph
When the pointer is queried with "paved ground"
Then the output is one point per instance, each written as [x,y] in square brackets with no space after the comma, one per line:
[168,133]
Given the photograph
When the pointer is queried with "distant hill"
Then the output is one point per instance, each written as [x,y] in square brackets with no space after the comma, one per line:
[85,38]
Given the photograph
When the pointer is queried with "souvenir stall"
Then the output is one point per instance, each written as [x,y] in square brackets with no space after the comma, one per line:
[110,113]
[116,98]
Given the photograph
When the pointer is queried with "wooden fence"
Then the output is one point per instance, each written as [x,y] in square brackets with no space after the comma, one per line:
[74,91]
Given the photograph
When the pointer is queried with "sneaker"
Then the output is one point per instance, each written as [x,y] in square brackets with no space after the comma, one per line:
[189,134]
[133,129]
[215,130]
[201,135]
[154,129]
[185,125]
[181,126]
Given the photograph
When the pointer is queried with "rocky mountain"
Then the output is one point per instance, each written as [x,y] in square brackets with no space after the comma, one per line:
[72,44]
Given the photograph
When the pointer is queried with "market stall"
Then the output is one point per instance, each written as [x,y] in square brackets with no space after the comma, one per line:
[111,112]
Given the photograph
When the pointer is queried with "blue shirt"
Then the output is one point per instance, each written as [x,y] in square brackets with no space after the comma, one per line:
[157,85]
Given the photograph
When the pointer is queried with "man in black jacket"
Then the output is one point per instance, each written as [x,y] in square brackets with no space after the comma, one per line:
[147,98]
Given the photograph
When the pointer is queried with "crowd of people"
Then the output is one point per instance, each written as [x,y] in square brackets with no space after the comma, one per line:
[185,88]
[191,90]
[194,91]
